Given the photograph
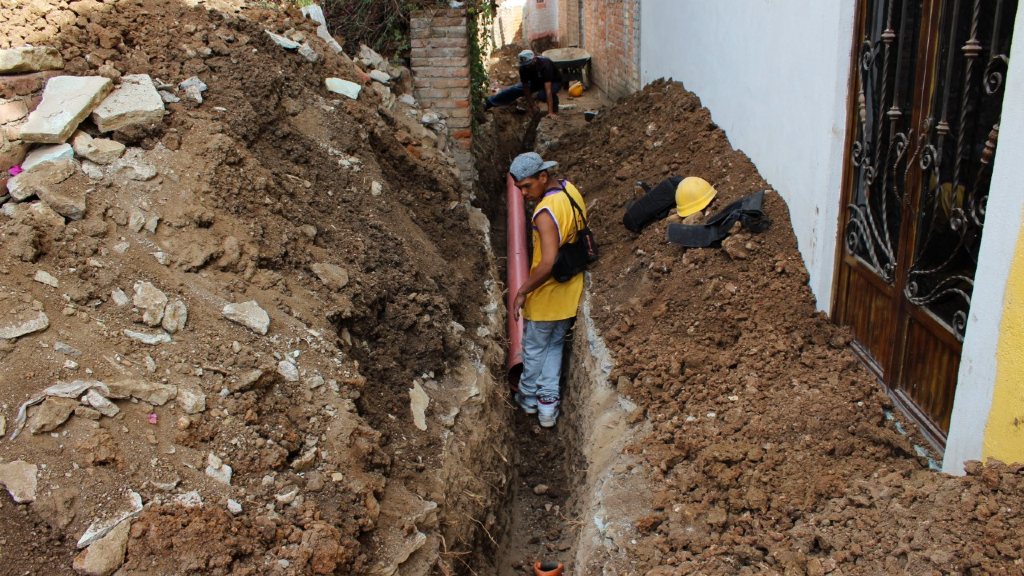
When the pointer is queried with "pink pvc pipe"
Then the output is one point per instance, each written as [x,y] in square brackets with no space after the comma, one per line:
[518,272]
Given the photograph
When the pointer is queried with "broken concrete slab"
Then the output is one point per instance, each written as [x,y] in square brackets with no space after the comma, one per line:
[283,42]
[67,100]
[104,406]
[334,277]
[19,477]
[51,414]
[248,314]
[134,102]
[30,59]
[23,323]
[153,393]
[28,183]
[106,555]
[98,150]
[378,76]
[50,153]
[151,300]
[369,57]
[325,35]
[343,87]
[314,13]
[101,528]
[147,337]
[175,317]
[44,277]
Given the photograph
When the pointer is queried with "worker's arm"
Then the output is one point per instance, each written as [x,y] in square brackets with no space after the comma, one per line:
[528,96]
[552,113]
[549,242]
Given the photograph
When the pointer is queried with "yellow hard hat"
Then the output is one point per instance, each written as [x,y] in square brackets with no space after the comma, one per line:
[693,194]
[575,89]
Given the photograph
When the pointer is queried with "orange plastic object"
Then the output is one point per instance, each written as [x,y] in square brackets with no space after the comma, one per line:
[548,569]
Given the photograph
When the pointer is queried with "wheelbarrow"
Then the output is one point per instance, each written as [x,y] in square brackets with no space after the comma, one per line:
[573,63]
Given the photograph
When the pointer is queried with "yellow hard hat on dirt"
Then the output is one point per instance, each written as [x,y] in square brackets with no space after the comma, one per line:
[693,194]
[575,89]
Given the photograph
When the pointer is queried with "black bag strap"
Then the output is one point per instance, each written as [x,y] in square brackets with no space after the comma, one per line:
[576,208]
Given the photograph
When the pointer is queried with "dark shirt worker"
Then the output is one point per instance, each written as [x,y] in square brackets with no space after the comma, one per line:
[539,79]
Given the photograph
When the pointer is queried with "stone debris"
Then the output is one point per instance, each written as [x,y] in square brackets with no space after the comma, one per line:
[98,150]
[151,300]
[134,102]
[23,324]
[288,371]
[67,201]
[67,100]
[248,314]
[409,100]
[541,489]
[175,317]
[379,76]
[217,469]
[167,97]
[133,167]
[190,499]
[45,175]
[51,414]
[19,477]
[418,402]
[287,498]
[369,58]
[308,53]
[93,170]
[333,276]
[191,400]
[30,59]
[119,297]
[305,462]
[136,220]
[106,555]
[153,393]
[282,41]
[343,87]
[314,382]
[62,348]
[150,338]
[101,528]
[3,424]
[44,277]
[376,189]
[70,364]
[101,404]
[151,223]
[61,389]
[234,507]
[194,88]
[51,153]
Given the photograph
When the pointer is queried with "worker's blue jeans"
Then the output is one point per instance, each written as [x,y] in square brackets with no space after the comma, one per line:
[542,358]
[513,93]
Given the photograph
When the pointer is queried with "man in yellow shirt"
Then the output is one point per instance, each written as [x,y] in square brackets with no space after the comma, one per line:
[547,306]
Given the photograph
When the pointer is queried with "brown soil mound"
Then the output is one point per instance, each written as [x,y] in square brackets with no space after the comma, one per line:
[251,195]
[770,449]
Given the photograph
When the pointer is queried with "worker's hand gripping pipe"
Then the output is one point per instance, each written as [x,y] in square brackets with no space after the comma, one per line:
[518,272]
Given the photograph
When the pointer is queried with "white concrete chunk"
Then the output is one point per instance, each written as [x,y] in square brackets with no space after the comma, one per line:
[23,324]
[282,41]
[248,314]
[148,338]
[135,101]
[314,13]
[19,477]
[44,277]
[101,528]
[217,469]
[67,100]
[105,407]
[30,59]
[378,76]
[343,87]
[47,154]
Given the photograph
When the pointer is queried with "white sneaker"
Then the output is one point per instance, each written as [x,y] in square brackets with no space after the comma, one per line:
[548,413]
[527,403]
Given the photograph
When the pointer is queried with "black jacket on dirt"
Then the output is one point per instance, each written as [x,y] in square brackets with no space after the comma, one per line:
[542,70]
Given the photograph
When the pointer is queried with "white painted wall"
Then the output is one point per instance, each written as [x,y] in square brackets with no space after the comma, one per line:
[1003,217]
[774,74]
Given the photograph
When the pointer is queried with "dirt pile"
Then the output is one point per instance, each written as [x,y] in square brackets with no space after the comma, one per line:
[770,449]
[339,222]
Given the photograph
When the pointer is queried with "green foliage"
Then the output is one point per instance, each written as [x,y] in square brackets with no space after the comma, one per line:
[380,24]
[480,16]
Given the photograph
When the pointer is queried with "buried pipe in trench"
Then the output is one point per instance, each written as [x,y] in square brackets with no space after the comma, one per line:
[518,272]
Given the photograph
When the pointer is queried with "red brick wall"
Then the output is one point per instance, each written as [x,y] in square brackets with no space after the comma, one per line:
[568,23]
[440,68]
[611,33]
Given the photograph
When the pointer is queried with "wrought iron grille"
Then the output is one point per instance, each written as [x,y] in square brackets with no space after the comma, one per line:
[957,144]
[882,153]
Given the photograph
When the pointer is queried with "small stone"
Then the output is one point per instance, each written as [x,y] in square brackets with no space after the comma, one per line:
[152,301]
[248,314]
[305,462]
[369,57]
[153,393]
[288,370]
[104,406]
[51,414]
[45,154]
[194,88]
[122,247]
[43,176]
[70,364]
[334,277]
[62,348]
[93,170]
[19,477]
[119,297]
[191,400]
[150,364]
[148,337]
[22,324]
[337,477]
[315,382]
[281,41]
[418,402]
[217,469]
[134,102]
[190,499]
[343,87]
[67,100]
[378,76]
[98,150]
[308,53]
[106,555]
[87,413]
[287,497]
[541,489]
[376,189]
[30,59]
[184,422]
[167,97]
[151,224]
[44,277]
[175,317]
[136,219]
[234,507]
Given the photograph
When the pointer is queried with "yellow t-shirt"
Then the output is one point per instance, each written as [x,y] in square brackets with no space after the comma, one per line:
[555,300]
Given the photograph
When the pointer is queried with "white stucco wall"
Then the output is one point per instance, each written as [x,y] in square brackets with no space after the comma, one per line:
[1003,216]
[774,74]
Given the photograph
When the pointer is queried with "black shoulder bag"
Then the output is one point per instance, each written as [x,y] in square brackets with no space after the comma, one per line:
[573,257]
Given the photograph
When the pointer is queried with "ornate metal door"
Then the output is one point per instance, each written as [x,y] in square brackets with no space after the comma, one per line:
[928,79]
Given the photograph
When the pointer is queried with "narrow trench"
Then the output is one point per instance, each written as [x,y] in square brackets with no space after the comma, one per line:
[538,520]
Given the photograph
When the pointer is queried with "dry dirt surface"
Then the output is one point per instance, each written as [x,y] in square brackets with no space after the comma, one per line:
[342,219]
[770,450]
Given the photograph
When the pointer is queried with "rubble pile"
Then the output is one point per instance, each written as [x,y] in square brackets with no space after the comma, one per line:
[220,281]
